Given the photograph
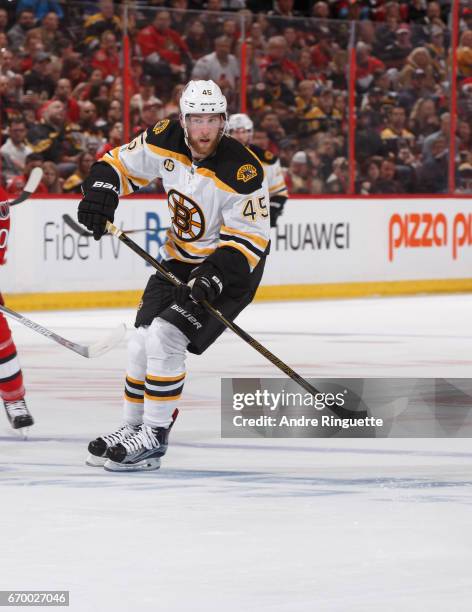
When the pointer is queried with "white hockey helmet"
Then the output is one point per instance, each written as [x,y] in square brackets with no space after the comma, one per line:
[240,121]
[202,97]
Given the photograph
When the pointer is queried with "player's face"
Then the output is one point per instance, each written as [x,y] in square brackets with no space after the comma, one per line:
[243,136]
[204,133]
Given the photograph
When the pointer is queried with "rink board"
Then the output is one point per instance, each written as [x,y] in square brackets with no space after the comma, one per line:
[331,248]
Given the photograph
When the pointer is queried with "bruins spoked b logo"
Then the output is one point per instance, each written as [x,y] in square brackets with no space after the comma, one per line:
[187,217]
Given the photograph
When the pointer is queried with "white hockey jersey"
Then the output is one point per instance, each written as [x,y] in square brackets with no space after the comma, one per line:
[273,171]
[222,201]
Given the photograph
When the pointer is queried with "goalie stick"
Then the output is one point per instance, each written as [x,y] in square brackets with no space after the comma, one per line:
[68,220]
[338,410]
[31,185]
[86,350]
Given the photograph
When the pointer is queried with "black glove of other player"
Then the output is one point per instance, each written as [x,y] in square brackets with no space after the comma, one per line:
[97,207]
[275,212]
[204,284]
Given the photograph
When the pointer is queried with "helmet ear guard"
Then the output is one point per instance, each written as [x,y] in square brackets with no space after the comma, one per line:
[202,98]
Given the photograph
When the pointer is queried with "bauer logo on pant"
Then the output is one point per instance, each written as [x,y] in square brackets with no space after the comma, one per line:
[187,217]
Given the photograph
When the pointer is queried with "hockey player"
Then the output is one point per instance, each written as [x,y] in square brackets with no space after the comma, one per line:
[12,390]
[217,245]
[241,128]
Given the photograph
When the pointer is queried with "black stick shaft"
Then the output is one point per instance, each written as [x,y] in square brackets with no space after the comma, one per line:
[112,229]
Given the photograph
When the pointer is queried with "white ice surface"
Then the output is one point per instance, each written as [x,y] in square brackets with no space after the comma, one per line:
[243,525]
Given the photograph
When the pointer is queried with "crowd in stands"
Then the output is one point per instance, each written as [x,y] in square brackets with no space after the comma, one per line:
[62,85]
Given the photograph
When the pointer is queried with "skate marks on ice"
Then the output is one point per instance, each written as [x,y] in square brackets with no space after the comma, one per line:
[382,482]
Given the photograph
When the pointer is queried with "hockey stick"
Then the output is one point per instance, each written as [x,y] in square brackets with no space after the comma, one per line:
[112,229]
[31,185]
[91,350]
[68,220]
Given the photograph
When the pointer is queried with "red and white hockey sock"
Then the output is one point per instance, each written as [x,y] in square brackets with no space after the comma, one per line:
[11,377]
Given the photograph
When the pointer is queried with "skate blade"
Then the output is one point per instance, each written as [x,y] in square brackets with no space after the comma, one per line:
[94,461]
[22,433]
[147,465]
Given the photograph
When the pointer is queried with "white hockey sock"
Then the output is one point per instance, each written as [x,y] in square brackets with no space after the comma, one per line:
[133,403]
[165,373]
[161,398]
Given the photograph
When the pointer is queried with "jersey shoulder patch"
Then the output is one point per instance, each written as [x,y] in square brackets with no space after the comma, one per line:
[168,135]
[237,167]
[265,156]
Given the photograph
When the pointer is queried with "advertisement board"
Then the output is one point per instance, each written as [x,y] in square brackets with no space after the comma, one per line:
[319,248]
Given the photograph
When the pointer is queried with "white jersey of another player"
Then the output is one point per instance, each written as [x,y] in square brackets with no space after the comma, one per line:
[241,128]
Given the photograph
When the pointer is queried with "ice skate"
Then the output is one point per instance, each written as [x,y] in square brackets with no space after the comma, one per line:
[98,447]
[141,452]
[18,414]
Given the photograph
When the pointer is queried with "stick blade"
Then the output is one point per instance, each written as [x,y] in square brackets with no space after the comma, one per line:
[103,346]
[34,179]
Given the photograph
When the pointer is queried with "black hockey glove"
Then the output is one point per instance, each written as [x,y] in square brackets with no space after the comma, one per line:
[275,212]
[97,206]
[204,284]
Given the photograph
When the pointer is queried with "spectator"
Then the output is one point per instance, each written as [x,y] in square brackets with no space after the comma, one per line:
[372,174]
[63,93]
[321,10]
[323,52]
[299,177]
[16,147]
[433,174]
[324,116]
[197,41]
[417,90]
[91,127]
[17,34]
[270,123]
[367,138]
[307,70]
[72,69]
[52,138]
[277,54]
[424,119]
[417,11]
[401,47]
[464,54]
[103,21]
[151,113]
[396,131]
[172,108]
[106,58]
[443,132]
[219,66]
[51,179]
[38,79]
[366,66]
[273,90]
[147,93]
[165,52]
[419,59]
[464,133]
[115,139]
[40,8]
[337,182]
[73,183]
[386,182]
[49,31]
[17,183]
[3,21]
